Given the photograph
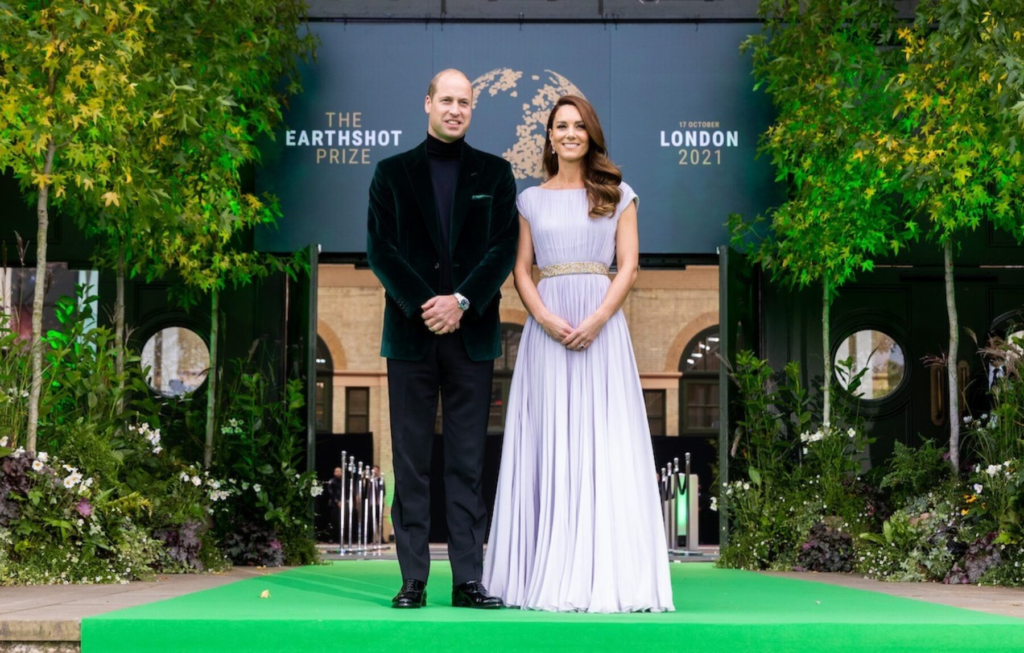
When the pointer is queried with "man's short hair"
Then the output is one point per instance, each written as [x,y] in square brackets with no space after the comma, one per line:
[433,82]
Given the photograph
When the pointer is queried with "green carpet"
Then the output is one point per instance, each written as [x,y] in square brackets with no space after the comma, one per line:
[345,606]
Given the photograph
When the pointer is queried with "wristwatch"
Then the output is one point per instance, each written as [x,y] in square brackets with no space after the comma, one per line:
[463,302]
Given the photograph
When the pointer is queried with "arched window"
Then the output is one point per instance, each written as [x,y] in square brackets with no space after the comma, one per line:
[324,387]
[698,387]
[502,383]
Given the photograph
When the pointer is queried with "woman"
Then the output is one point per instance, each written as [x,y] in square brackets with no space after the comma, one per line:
[577,523]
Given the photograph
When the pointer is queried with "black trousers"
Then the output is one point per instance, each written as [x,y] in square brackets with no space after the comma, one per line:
[465,387]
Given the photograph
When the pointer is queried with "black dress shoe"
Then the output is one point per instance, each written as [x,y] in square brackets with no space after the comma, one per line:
[474,595]
[412,595]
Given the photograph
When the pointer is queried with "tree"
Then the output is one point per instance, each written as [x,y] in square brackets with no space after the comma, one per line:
[956,135]
[824,66]
[227,89]
[65,93]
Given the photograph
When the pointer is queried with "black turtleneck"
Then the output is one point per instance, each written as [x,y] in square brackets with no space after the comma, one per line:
[444,173]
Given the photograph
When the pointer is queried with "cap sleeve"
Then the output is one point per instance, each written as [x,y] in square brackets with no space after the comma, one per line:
[523,205]
[628,195]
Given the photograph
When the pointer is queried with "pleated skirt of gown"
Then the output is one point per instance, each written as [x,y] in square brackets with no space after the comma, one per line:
[577,521]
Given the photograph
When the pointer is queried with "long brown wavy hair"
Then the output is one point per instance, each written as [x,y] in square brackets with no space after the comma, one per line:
[601,177]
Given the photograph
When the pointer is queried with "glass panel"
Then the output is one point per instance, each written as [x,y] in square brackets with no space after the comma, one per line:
[357,410]
[510,337]
[878,353]
[702,355]
[499,399]
[321,406]
[655,402]
[323,357]
[178,361]
[357,401]
[701,408]
[17,292]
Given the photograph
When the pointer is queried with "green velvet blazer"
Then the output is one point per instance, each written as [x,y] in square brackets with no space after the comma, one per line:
[403,245]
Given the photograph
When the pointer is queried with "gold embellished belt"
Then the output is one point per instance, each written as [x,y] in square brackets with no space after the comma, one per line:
[559,269]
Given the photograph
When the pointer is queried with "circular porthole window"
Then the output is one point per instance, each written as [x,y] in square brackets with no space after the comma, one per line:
[881,359]
[178,361]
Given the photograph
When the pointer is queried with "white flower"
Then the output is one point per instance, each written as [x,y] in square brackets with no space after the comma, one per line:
[43,457]
[75,477]
[714,504]
[69,482]
[851,433]
[233,422]
[184,477]
[215,485]
[316,490]
[24,394]
[256,487]
[158,450]
[88,483]
[245,485]
[977,488]
[18,452]
[81,522]
[3,441]
[196,481]
[746,486]
[805,451]
[992,470]
[37,465]
[967,419]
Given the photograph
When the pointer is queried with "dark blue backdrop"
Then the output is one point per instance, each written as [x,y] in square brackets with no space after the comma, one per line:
[645,80]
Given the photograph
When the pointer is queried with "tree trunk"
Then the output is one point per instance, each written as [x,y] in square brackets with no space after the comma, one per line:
[951,360]
[119,330]
[826,348]
[43,214]
[211,377]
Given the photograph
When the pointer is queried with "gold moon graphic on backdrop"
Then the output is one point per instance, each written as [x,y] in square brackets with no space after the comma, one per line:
[525,155]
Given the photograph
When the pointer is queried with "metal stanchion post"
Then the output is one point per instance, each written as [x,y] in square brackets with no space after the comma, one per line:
[366,506]
[341,507]
[663,486]
[380,513]
[371,514]
[686,494]
[359,505]
[675,504]
[351,490]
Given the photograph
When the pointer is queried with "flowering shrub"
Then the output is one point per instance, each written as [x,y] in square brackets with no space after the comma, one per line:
[793,475]
[117,497]
[58,528]
[260,452]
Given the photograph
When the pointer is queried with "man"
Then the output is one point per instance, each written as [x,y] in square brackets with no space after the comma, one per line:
[442,236]
[334,493]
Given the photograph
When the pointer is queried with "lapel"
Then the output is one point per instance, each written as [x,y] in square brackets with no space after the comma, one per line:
[418,169]
[469,174]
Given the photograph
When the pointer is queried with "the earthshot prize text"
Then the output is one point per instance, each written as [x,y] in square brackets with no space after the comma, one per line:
[344,141]
[695,140]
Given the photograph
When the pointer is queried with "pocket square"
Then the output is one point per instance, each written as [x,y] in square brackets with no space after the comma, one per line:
[481,197]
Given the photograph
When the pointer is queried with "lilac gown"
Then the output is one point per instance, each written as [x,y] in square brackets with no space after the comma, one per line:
[577,520]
